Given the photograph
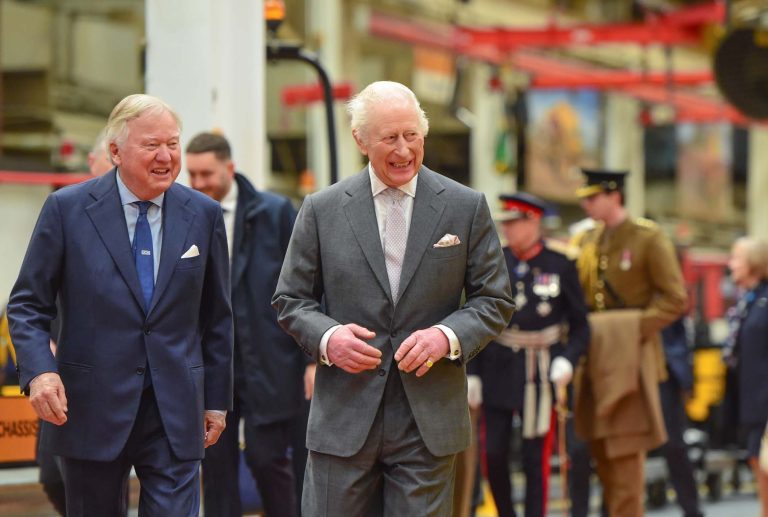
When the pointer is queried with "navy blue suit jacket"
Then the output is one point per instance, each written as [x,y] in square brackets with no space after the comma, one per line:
[269,367]
[752,350]
[80,252]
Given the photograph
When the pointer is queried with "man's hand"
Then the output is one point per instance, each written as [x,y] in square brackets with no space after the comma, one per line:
[561,372]
[214,423]
[421,350]
[347,350]
[46,394]
[309,381]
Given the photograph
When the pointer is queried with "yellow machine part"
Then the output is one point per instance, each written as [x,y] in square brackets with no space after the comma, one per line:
[708,383]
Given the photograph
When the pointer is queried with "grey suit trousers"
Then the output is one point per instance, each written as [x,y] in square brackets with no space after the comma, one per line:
[394,474]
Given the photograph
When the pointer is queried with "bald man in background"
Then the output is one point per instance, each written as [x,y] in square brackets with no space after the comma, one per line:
[98,158]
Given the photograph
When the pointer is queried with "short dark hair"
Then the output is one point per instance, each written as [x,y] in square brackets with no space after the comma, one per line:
[210,143]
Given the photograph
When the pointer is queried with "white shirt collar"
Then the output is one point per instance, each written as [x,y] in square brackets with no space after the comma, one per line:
[229,203]
[378,186]
[127,197]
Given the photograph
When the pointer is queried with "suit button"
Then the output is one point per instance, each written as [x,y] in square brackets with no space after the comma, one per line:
[392,334]
[140,371]
[382,372]
[147,331]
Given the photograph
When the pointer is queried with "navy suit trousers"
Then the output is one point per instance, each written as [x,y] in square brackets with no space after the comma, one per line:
[169,486]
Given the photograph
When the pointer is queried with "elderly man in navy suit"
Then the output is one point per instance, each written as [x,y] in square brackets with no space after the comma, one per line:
[142,376]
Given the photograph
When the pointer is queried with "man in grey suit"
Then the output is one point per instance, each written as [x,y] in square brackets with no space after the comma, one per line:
[394,278]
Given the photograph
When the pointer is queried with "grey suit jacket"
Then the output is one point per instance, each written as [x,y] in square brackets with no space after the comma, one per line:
[335,257]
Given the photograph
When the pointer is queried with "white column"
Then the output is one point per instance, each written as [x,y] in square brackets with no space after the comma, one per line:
[239,84]
[206,59]
[179,53]
[757,183]
[487,110]
[325,20]
[624,148]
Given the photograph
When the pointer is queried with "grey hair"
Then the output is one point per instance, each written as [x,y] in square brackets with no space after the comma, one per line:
[132,107]
[756,253]
[379,92]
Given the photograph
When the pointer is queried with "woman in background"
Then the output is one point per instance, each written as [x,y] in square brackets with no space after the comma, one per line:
[747,351]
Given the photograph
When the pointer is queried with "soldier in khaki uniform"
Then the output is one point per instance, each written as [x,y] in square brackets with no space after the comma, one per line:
[634,288]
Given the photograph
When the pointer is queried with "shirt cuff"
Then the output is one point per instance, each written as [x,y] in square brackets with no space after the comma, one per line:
[453,341]
[324,345]
[219,411]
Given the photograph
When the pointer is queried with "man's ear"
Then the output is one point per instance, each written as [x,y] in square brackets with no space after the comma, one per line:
[359,141]
[114,153]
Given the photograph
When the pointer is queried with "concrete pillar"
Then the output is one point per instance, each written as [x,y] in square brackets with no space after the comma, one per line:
[338,53]
[206,59]
[487,109]
[757,183]
[239,84]
[624,147]
[322,19]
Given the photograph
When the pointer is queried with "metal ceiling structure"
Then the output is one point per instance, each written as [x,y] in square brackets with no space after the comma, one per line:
[526,50]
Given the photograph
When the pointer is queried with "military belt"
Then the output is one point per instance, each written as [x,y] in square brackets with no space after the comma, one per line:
[534,339]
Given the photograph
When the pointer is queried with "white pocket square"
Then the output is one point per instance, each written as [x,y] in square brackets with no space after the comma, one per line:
[191,252]
[447,241]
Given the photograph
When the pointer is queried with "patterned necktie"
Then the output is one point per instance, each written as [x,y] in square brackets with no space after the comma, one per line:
[143,254]
[395,238]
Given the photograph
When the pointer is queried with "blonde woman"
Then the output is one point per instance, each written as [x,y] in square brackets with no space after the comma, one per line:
[749,270]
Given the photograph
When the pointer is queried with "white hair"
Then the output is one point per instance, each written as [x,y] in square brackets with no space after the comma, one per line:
[756,255]
[380,92]
[131,107]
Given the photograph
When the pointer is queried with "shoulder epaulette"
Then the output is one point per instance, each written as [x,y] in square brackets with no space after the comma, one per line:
[571,252]
[646,223]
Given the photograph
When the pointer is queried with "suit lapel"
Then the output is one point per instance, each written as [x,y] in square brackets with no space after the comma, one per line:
[361,214]
[177,220]
[427,211]
[107,215]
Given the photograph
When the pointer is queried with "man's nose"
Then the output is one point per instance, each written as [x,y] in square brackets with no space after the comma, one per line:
[163,154]
[401,146]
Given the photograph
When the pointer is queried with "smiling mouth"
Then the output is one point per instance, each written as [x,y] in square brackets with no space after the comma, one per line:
[161,172]
[400,165]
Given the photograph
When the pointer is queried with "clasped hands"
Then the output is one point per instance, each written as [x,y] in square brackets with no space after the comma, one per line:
[347,349]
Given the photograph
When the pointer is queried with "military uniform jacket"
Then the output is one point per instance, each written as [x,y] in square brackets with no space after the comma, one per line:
[549,285]
[632,266]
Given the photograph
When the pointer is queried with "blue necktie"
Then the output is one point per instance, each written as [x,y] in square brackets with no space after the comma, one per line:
[142,253]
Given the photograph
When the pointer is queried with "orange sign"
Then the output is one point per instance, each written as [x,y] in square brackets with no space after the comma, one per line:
[18,430]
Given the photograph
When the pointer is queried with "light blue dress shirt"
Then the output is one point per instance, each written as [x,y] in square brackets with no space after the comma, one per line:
[154,217]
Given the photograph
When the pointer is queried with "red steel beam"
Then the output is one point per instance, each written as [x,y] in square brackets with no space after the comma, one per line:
[690,106]
[683,26]
[438,36]
[620,78]
[301,94]
[509,40]
[43,178]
